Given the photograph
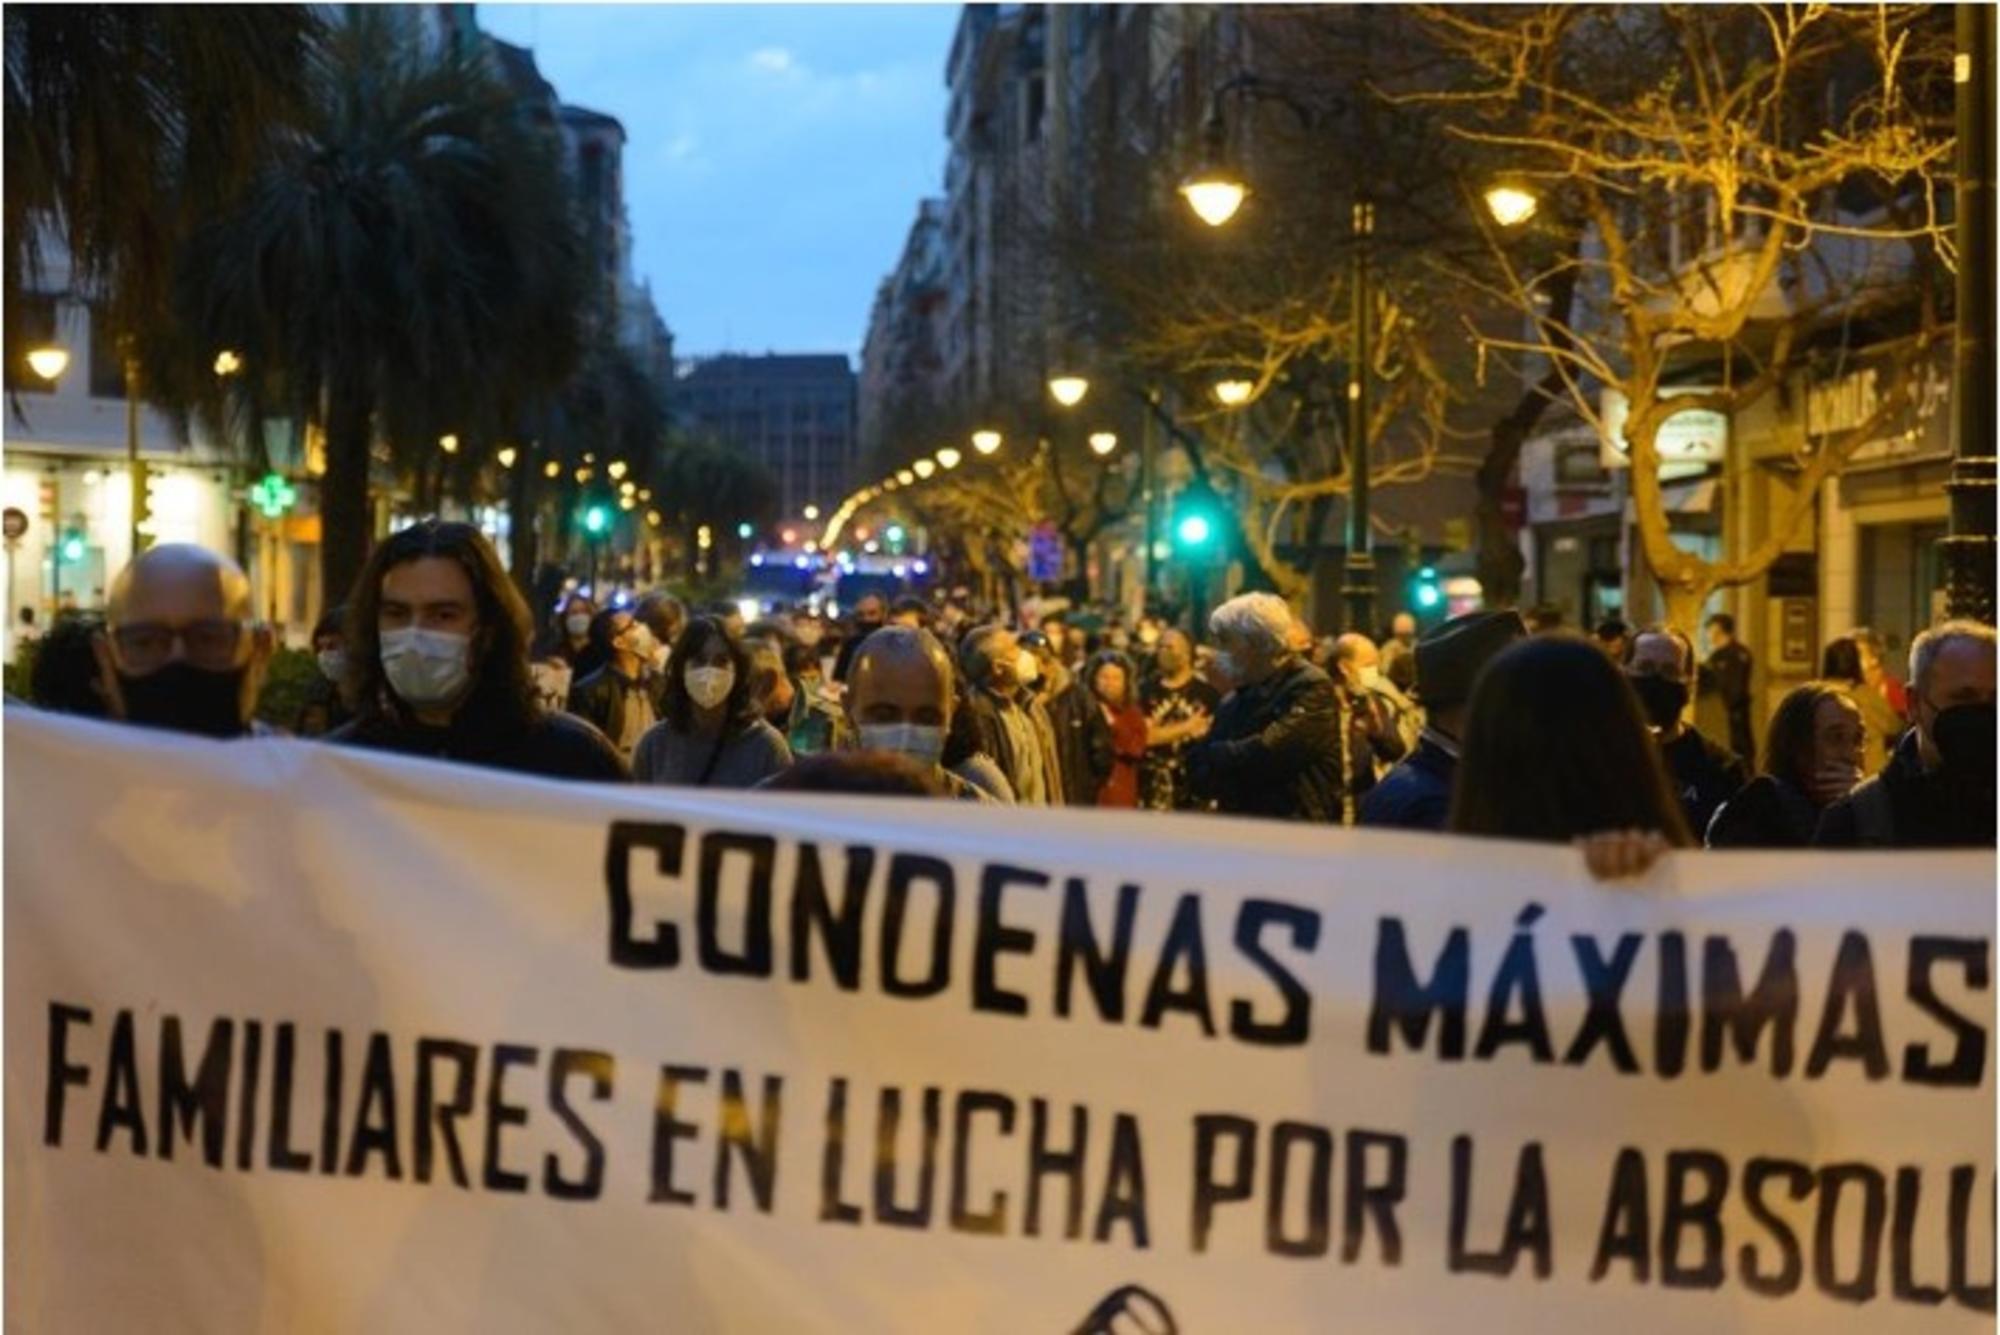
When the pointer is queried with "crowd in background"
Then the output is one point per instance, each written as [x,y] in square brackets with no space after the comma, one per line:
[1486,723]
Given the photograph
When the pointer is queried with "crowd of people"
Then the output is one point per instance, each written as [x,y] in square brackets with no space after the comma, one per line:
[1479,725]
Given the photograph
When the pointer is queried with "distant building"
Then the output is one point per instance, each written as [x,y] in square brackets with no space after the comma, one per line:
[793,413]
[902,361]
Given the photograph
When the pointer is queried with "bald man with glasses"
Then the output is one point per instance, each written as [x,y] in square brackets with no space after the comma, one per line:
[180,649]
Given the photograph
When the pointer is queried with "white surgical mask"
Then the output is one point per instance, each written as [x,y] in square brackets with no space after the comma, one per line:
[710,686]
[332,662]
[426,668]
[578,626]
[1028,668]
[921,742]
[1225,666]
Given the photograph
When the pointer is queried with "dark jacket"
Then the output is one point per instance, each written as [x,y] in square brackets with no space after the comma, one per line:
[1769,813]
[1083,743]
[1274,749]
[1904,807]
[599,699]
[321,711]
[991,738]
[1416,795]
[557,746]
[1704,775]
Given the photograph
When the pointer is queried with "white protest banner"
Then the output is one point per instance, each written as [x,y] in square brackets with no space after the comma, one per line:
[306,1039]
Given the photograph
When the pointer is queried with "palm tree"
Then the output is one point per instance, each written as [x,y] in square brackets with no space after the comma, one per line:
[408,258]
[125,123]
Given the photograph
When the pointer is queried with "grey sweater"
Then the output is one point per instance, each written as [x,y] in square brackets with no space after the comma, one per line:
[669,757]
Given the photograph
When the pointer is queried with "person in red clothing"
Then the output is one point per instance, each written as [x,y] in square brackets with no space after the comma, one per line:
[1110,677]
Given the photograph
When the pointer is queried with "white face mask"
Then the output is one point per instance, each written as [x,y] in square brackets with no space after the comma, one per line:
[578,625]
[710,686]
[332,662]
[659,656]
[1226,667]
[1028,668]
[426,668]
[921,742]
[639,642]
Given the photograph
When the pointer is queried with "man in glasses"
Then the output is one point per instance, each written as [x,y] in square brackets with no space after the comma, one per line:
[179,649]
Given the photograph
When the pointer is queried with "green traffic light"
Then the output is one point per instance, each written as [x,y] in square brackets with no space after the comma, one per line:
[72,548]
[1193,530]
[596,519]
[1428,596]
[744,530]
[894,533]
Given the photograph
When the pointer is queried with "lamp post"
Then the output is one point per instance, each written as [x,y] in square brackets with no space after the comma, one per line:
[1358,585]
[1215,191]
[1968,549]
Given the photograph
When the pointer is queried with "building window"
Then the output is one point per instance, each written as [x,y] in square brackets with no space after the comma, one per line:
[107,368]
[33,324]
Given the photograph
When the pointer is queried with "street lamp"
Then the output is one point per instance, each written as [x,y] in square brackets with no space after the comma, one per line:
[810,512]
[905,476]
[1511,203]
[1103,442]
[922,468]
[616,468]
[1233,393]
[507,454]
[49,363]
[1068,390]
[1214,196]
[448,443]
[553,468]
[227,363]
[1214,189]
[948,458]
[986,441]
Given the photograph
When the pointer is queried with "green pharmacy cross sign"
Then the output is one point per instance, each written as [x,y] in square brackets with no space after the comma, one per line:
[273,495]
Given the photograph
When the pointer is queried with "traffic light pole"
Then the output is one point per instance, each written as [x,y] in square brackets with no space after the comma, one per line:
[1358,587]
[1968,550]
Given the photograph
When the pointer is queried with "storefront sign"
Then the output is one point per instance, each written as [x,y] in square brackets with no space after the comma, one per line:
[1688,442]
[1837,407]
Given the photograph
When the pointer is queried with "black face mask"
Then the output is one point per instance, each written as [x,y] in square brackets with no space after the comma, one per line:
[1964,738]
[185,698]
[1662,698]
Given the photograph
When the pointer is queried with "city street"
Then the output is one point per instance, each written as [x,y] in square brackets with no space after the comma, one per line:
[549,545]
